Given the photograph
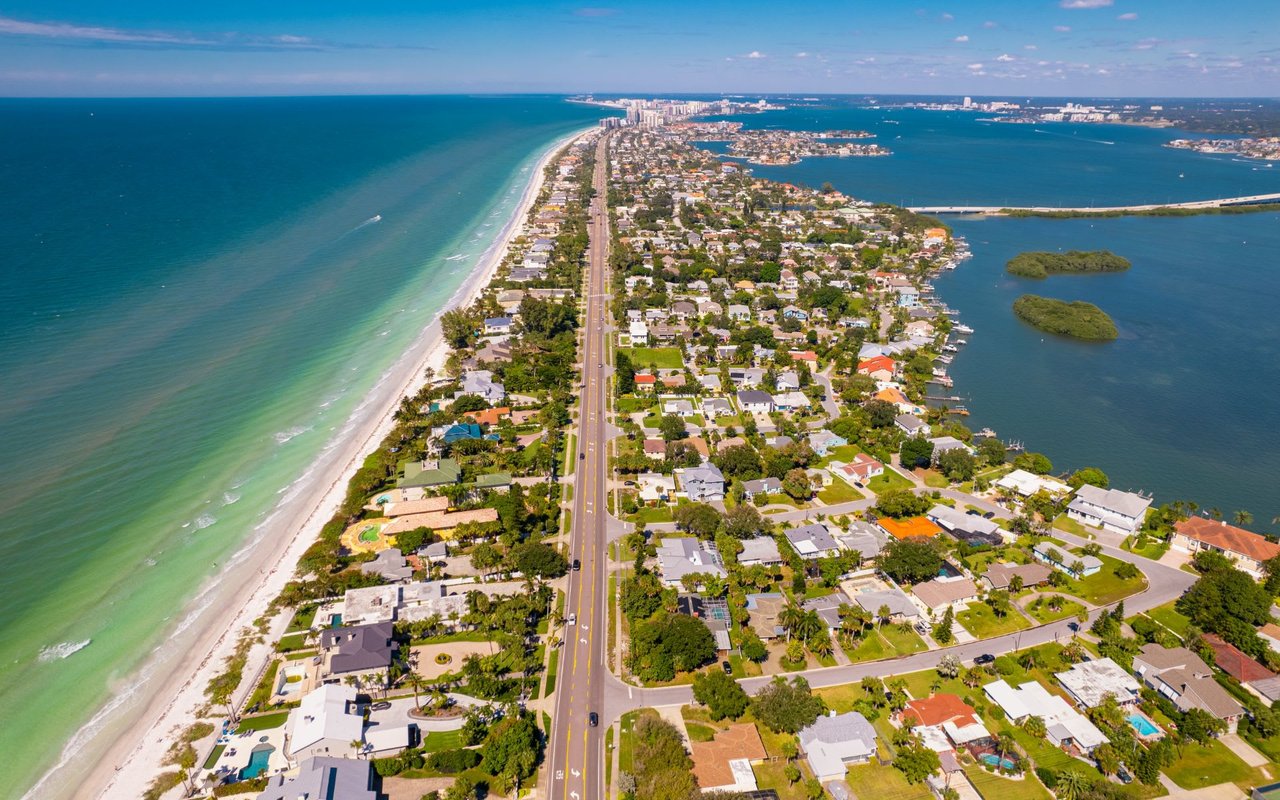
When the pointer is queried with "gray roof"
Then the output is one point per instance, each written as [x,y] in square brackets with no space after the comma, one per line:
[754,396]
[762,485]
[865,538]
[390,564]
[678,557]
[810,540]
[952,518]
[1126,504]
[761,548]
[898,603]
[910,421]
[362,647]
[832,740]
[324,778]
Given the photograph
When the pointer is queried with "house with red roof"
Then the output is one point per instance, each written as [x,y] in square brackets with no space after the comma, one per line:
[1249,550]
[881,368]
[944,722]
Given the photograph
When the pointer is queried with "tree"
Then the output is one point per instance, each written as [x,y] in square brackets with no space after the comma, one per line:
[916,451]
[796,484]
[957,464]
[992,450]
[1072,785]
[949,665]
[1200,726]
[899,503]
[624,373]
[999,603]
[669,643]
[672,428]
[538,559]
[485,557]
[699,519]
[880,413]
[1036,463]
[721,694]
[662,769]
[942,631]
[1035,727]
[1091,476]
[740,461]
[916,762]
[1228,602]
[458,328]
[786,707]
[1242,518]
[910,560]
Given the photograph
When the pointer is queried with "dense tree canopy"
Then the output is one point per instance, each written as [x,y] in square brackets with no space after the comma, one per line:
[786,707]
[910,560]
[721,694]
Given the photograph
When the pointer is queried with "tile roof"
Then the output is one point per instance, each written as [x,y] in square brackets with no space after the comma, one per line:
[908,528]
[1227,537]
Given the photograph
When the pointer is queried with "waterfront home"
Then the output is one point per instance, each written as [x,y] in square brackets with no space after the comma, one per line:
[442,523]
[823,441]
[1025,484]
[430,472]
[1077,566]
[489,416]
[724,763]
[966,527]
[1089,682]
[762,614]
[680,556]
[480,382]
[945,722]
[1184,678]
[1109,509]
[754,401]
[343,778]
[759,550]
[835,742]
[1248,550]
[703,483]
[1064,726]
[362,652]
[760,486]
[498,326]
[943,444]
[910,528]
[408,602]
[812,541]
[1000,575]
[880,368]
[390,565]
[326,722]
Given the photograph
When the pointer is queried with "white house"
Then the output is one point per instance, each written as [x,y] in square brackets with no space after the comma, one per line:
[324,724]
[1065,726]
[833,743]
[1109,509]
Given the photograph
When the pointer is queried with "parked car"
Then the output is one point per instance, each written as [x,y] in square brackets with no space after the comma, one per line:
[984,659]
[727,667]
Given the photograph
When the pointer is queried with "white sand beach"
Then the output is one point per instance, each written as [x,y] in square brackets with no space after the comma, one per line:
[117,754]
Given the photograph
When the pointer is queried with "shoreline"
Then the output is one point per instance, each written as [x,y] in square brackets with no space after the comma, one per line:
[258,573]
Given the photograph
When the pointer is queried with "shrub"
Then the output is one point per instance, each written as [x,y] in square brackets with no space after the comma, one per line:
[451,762]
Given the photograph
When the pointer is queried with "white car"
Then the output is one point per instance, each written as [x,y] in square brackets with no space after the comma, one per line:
[573,619]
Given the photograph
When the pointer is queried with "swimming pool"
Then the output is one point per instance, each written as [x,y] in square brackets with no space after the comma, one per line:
[1142,725]
[257,762]
[993,760]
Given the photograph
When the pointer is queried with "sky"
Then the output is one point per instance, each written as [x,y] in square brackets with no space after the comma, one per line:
[1113,48]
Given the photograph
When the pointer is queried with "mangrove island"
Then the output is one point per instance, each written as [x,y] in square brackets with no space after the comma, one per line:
[1077,319]
[1037,264]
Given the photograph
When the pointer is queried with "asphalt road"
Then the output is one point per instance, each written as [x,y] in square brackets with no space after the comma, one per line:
[575,756]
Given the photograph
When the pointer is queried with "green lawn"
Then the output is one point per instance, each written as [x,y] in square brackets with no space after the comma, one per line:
[1198,767]
[661,357]
[992,786]
[1171,619]
[1064,523]
[769,775]
[1043,613]
[935,480]
[291,642]
[982,622]
[844,453]
[1105,586]
[434,741]
[626,742]
[213,756]
[902,641]
[630,405]
[552,664]
[654,514]
[889,480]
[886,642]
[874,782]
[264,722]
[699,732]
[302,619]
[839,492]
[841,698]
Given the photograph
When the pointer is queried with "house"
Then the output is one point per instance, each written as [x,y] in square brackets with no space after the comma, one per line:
[322,779]
[761,486]
[480,382]
[1025,484]
[713,613]
[880,368]
[459,431]
[390,565]
[911,425]
[759,550]
[762,614]
[682,556]
[835,742]
[812,541]
[1065,727]
[911,528]
[754,401]
[724,763]
[497,326]
[1248,550]
[362,652]
[786,381]
[1230,659]
[899,605]
[1090,681]
[510,299]
[430,472]
[795,312]
[713,407]
[325,724]
[1077,566]
[489,416]
[1109,509]
[790,401]
[942,444]
[703,483]
[827,607]
[1001,575]
[639,333]
[863,538]
[401,603]
[823,441]
[655,449]
[746,377]
[1184,678]
[971,528]
[858,471]
[654,487]
[937,595]
[645,381]
[948,715]
[681,408]
[739,313]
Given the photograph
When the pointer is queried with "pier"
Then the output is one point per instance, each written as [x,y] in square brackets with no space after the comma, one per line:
[1249,200]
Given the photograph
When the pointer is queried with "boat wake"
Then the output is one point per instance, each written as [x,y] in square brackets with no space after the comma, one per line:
[61,650]
[457,257]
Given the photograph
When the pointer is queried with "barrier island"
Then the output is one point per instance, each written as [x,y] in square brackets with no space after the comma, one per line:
[1076,319]
[1036,264]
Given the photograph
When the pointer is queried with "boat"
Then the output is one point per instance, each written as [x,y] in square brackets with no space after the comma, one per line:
[943,359]
[950,348]
[962,341]
[962,328]
[939,372]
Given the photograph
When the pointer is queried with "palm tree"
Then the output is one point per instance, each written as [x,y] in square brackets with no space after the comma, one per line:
[358,746]
[1005,744]
[791,617]
[820,645]
[884,613]
[1071,784]
[1242,518]
[415,680]
[1030,659]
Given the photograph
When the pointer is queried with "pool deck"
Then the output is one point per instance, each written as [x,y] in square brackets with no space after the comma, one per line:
[239,749]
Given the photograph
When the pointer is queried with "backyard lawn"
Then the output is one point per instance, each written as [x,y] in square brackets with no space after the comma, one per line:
[884,783]
[991,785]
[661,357]
[769,775]
[265,722]
[839,492]
[889,480]
[1170,618]
[1207,766]
[982,622]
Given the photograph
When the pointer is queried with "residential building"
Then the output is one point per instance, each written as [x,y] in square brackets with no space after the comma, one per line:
[951,721]
[900,606]
[390,565]
[682,556]
[1109,509]
[401,603]
[724,763]
[761,486]
[325,724]
[754,401]
[639,333]
[1077,566]
[999,575]
[937,595]
[863,538]
[1025,484]
[858,471]
[703,483]
[942,444]
[824,441]
[762,614]
[363,652]
[654,487]
[324,779]
[834,743]
[1184,678]
[971,528]
[910,528]
[430,472]
[1065,727]
[812,541]
[912,425]
[1089,682]
[759,550]
[1248,550]
[480,382]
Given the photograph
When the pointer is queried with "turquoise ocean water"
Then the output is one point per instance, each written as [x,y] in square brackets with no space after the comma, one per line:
[1184,404]
[194,298]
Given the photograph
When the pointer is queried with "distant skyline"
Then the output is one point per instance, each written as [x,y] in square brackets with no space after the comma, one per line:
[1165,48]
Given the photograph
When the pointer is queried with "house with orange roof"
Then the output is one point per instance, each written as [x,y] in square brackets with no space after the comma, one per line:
[944,722]
[911,528]
[881,368]
[803,355]
[724,763]
[489,416]
[645,381]
[892,394]
[1249,550]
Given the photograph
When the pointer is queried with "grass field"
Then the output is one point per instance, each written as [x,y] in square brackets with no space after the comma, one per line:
[1105,586]
[982,622]
[264,722]
[769,775]
[990,785]
[435,741]
[1171,619]
[1198,767]
[839,492]
[884,783]
[1043,613]
[889,480]
[886,642]
[661,357]
[654,514]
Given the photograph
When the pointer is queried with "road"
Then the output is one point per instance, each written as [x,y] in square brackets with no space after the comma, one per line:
[575,756]
[1254,199]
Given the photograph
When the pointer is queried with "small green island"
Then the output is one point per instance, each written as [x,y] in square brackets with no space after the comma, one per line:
[1078,319]
[1039,264]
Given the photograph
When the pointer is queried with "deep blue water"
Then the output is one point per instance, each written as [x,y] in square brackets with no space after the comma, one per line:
[1185,403]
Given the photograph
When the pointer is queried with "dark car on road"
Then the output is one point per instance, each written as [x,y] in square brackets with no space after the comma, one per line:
[984,659]
[577,565]
[593,719]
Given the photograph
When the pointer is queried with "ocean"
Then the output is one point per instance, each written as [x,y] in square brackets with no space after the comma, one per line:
[196,295]
[1183,405]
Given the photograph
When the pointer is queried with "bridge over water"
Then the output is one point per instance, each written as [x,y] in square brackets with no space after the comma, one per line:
[1250,200]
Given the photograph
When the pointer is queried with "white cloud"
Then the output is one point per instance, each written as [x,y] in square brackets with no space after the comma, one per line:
[1062,28]
[801,54]
[66,30]
[1085,3]
[975,67]
[756,54]
[947,17]
[1128,17]
[1004,58]
[964,37]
